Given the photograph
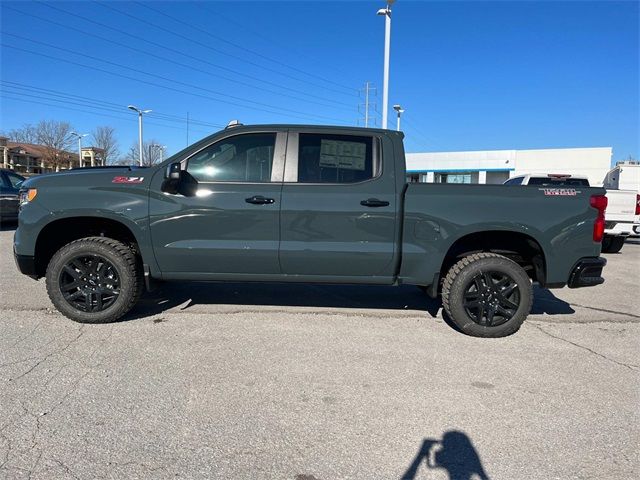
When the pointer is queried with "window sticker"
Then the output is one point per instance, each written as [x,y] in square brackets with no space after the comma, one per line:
[344,155]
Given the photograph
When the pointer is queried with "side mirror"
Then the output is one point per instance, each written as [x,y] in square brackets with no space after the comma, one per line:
[173,171]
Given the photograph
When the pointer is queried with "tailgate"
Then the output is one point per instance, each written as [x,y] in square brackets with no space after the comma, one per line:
[621,206]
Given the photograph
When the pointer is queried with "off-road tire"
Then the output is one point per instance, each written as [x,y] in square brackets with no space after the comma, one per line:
[121,257]
[612,244]
[459,277]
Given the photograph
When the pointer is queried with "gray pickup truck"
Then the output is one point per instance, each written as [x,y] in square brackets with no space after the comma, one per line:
[289,203]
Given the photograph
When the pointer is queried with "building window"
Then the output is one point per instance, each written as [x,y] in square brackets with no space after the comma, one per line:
[453,177]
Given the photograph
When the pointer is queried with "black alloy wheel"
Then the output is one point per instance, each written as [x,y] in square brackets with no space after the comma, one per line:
[89,283]
[487,295]
[491,298]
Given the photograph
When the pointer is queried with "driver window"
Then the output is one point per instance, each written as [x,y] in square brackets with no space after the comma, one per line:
[243,158]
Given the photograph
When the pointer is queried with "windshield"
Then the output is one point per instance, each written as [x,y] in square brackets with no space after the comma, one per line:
[558,182]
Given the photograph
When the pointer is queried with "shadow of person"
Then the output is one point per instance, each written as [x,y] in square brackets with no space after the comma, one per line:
[454,454]
[544,301]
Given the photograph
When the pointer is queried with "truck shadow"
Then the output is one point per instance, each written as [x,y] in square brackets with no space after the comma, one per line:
[545,302]
[187,295]
[453,454]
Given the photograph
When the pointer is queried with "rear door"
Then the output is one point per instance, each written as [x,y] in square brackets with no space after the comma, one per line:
[230,225]
[339,209]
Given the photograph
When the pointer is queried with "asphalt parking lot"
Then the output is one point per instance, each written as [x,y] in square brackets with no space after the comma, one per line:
[319,382]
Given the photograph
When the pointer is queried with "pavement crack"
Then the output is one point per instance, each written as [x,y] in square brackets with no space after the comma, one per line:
[49,355]
[66,468]
[24,337]
[605,310]
[630,366]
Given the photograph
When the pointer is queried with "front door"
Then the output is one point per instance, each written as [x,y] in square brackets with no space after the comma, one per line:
[339,209]
[231,223]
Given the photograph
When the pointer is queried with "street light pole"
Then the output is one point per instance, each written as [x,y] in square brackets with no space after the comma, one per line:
[162,148]
[387,50]
[400,111]
[79,137]
[140,112]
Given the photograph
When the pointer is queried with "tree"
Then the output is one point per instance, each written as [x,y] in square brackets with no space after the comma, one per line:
[105,138]
[55,136]
[152,154]
[26,134]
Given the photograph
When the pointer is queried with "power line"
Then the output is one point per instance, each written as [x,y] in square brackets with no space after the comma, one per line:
[417,132]
[165,47]
[260,105]
[101,103]
[190,67]
[62,107]
[93,35]
[267,39]
[253,52]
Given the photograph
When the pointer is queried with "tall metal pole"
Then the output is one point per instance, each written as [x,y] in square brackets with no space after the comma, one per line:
[79,137]
[387,47]
[80,151]
[140,138]
[187,129]
[140,112]
[366,105]
[400,110]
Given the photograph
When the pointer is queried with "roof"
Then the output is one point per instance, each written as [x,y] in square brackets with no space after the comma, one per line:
[33,149]
[284,126]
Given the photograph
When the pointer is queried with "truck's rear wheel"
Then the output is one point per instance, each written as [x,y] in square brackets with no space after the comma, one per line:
[487,295]
[94,280]
[612,244]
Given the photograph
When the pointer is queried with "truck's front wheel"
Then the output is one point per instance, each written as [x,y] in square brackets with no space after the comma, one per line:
[487,295]
[94,280]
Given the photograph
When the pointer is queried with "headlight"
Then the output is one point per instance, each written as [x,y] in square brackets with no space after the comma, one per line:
[27,195]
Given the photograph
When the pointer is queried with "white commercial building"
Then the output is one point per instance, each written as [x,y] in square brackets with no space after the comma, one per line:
[496,166]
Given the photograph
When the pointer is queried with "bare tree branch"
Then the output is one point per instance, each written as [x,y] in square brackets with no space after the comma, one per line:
[105,138]
[26,134]
[55,137]
[152,154]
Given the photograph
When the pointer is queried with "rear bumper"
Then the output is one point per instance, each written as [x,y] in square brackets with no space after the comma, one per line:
[26,264]
[587,272]
[618,228]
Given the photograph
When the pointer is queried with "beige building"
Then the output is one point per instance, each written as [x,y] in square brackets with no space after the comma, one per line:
[28,158]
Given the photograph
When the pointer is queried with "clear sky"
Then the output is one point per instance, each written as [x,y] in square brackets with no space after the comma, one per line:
[471,75]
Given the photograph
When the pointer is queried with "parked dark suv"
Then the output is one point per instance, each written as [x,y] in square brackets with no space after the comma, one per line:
[9,190]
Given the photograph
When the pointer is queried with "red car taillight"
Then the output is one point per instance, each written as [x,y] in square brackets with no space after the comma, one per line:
[599,202]
[637,204]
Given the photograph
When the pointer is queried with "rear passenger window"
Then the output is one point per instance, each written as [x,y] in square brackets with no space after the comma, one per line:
[335,158]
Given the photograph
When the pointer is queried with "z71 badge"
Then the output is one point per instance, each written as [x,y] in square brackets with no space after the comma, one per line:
[127,180]
[566,192]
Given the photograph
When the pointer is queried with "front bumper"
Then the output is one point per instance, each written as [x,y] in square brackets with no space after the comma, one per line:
[26,264]
[587,272]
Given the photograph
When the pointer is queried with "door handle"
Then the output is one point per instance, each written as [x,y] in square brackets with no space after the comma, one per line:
[260,200]
[374,202]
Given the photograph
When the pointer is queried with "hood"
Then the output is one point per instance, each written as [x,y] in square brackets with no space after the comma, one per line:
[93,176]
